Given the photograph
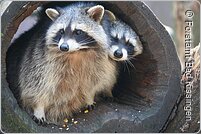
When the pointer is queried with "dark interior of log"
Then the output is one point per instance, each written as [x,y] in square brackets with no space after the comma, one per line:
[138,89]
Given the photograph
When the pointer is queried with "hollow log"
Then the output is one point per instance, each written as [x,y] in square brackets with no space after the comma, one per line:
[144,95]
[179,121]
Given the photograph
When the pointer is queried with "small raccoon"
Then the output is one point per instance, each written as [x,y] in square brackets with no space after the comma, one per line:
[125,43]
[64,63]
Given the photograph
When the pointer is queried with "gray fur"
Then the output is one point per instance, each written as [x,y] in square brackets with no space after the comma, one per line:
[115,28]
[55,84]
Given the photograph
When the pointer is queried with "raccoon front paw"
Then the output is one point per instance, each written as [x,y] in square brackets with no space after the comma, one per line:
[39,115]
[39,121]
[92,106]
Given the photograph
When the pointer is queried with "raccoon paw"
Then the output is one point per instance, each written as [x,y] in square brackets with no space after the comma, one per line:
[39,115]
[91,107]
[39,121]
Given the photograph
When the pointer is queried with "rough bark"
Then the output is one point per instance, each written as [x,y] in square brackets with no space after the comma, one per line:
[179,123]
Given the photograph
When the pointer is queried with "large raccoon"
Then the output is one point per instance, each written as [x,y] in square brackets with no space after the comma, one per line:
[125,43]
[62,63]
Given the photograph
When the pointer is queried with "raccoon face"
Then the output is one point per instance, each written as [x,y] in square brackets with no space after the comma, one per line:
[70,40]
[121,50]
[76,28]
[125,44]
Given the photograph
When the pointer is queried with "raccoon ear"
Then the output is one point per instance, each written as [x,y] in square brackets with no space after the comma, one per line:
[110,15]
[52,13]
[96,12]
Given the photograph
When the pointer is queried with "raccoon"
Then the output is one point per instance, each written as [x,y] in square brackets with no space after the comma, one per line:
[63,64]
[125,43]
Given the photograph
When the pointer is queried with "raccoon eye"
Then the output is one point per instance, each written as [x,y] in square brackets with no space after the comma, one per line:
[130,49]
[129,44]
[78,32]
[116,38]
[61,31]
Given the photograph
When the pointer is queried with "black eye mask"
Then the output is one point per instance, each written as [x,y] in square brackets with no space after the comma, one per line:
[130,49]
[58,36]
[122,44]
[82,37]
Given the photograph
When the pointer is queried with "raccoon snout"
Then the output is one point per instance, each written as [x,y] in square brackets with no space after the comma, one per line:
[118,54]
[64,47]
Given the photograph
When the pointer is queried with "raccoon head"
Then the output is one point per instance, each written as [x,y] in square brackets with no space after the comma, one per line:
[125,43]
[75,28]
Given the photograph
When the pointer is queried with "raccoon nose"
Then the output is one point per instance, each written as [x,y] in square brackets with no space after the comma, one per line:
[118,54]
[64,47]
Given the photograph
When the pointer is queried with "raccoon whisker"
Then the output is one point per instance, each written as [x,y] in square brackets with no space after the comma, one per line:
[124,66]
[131,64]
[85,47]
[55,40]
[127,67]
[88,42]
[132,57]
[85,40]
